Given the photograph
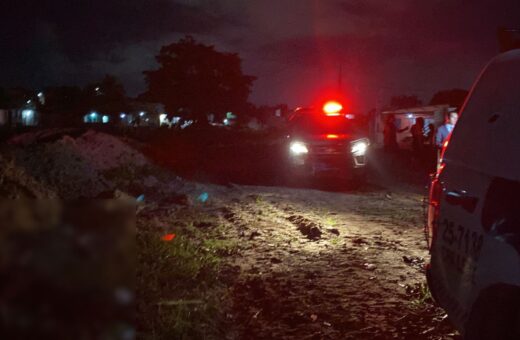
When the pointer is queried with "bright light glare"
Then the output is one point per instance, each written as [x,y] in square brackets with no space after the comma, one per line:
[105,119]
[332,136]
[332,108]
[27,114]
[122,115]
[298,148]
[93,114]
[359,148]
[141,114]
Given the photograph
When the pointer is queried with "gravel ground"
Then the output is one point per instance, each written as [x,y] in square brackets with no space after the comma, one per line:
[313,264]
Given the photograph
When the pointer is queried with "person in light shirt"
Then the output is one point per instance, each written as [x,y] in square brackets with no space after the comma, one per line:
[444,130]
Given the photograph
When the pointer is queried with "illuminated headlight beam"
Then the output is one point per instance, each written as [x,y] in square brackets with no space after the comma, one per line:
[298,148]
[359,147]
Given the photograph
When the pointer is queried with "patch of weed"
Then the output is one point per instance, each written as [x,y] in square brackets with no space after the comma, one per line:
[422,295]
[178,295]
[335,241]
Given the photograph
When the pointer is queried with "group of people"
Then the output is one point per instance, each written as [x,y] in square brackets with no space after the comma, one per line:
[425,142]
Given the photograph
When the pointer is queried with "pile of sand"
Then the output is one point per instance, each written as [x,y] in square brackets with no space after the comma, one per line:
[15,183]
[83,166]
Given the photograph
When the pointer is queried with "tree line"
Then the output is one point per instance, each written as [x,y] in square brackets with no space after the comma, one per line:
[192,80]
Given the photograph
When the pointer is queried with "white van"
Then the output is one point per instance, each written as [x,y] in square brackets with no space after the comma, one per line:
[474,209]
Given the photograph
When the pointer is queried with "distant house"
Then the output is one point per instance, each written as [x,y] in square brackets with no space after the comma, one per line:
[18,108]
[137,114]
[143,114]
[25,116]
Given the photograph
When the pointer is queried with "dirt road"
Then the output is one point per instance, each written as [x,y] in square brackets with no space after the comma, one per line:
[312,264]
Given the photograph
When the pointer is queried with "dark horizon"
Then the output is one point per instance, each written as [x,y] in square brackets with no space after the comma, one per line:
[295,50]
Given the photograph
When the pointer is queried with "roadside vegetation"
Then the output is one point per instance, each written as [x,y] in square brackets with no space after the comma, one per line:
[179,289]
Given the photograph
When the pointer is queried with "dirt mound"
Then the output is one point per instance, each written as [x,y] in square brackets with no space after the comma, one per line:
[16,183]
[84,165]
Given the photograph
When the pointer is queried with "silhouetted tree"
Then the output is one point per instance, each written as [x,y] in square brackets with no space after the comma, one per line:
[194,79]
[64,106]
[454,97]
[404,101]
[4,98]
[107,96]
[14,98]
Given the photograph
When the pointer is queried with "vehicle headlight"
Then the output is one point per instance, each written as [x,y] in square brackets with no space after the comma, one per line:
[359,147]
[298,148]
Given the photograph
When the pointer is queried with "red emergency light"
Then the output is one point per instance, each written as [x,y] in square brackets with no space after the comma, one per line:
[332,108]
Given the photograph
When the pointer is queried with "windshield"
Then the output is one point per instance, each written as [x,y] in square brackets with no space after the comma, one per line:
[314,124]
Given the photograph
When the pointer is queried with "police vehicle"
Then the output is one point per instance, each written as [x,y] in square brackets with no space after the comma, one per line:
[473,223]
[326,142]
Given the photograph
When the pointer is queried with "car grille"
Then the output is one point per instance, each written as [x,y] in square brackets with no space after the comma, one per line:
[329,149]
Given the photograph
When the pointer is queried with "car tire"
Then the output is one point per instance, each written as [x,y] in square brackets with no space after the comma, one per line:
[495,315]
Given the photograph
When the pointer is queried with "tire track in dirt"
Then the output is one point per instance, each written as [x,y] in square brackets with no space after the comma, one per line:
[354,283]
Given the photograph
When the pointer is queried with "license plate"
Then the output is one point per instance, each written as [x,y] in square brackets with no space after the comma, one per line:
[321,167]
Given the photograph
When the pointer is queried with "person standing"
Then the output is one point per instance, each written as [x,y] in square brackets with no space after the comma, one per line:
[390,134]
[418,139]
[444,130]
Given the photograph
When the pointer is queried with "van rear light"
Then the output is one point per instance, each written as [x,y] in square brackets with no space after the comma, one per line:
[433,209]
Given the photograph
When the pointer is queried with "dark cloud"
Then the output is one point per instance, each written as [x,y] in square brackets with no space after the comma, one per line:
[361,8]
[74,33]
[81,26]
[396,47]
[294,47]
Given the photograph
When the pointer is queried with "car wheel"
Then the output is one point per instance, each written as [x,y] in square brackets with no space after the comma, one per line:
[496,315]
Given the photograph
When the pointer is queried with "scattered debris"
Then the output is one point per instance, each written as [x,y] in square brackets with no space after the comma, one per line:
[369,266]
[275,260]
[254,234]
[203,197]
[414,261]
[333,231]
[168,237]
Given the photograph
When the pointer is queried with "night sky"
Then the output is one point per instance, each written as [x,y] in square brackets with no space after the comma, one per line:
[294,47]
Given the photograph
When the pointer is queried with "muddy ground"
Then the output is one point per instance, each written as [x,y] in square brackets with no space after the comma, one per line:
[229,251]
[311,264]
[318,262]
